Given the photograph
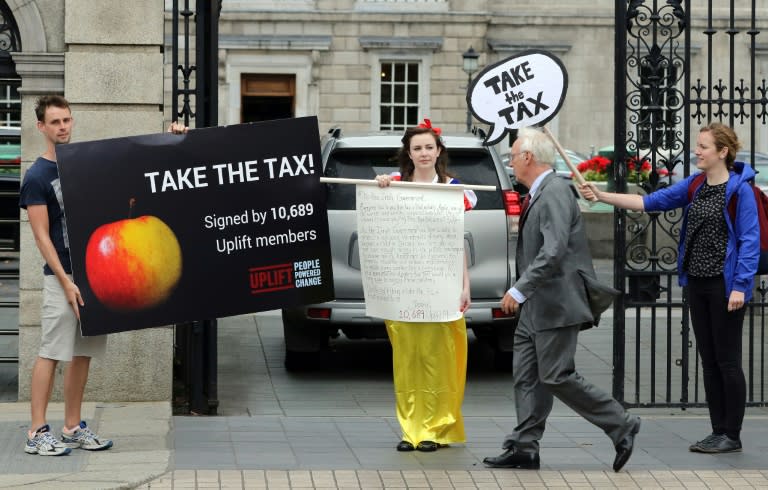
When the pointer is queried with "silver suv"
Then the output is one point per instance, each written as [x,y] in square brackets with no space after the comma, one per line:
[489,230]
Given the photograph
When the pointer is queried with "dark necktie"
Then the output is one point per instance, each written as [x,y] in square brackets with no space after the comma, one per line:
[526,200]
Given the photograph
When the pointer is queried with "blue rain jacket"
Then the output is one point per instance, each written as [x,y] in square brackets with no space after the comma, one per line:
[743,250]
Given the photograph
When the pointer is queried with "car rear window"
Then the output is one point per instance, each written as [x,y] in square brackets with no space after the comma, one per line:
[469,166]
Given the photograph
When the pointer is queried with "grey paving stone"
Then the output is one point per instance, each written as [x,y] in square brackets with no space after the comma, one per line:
[275,460]
[203,457]
[259,436]
[211,437]
[184,423]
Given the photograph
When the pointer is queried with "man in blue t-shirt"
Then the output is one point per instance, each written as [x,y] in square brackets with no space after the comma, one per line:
[61,339]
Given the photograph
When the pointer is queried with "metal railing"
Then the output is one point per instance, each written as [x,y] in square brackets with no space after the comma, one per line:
[195,358]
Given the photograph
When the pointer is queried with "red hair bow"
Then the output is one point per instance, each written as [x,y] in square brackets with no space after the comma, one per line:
[428,125]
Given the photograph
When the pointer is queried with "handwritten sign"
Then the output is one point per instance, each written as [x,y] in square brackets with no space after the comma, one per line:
[411,252]
[523,90]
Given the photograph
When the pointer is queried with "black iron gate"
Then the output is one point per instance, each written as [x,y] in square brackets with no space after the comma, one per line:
[195,96]
[10,42]
[673,76]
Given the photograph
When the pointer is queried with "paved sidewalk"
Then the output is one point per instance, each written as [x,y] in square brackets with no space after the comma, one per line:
[444,479]
[335,428]
[154,450]
[143,448]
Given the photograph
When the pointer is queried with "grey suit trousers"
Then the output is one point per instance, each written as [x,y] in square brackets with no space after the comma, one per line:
[544,367]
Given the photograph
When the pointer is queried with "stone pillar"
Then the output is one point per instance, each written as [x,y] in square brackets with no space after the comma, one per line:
[112,74]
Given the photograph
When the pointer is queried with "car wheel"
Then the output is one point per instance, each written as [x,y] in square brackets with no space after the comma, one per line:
[304,342]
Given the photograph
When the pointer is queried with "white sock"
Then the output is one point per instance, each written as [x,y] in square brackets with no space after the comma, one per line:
[31,433]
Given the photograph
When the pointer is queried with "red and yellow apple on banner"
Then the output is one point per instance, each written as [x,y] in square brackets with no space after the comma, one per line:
[133,264]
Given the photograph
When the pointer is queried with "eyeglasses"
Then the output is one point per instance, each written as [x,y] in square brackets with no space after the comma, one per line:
[512,156]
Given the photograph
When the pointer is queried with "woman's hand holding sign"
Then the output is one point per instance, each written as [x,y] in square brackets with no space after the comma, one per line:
[589,191]
[384,180]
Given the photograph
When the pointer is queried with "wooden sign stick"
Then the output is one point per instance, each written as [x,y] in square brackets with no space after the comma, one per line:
[561,151]
[576,174]
[396,183]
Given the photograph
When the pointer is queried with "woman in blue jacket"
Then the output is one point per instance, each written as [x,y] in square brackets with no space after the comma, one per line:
[717,260]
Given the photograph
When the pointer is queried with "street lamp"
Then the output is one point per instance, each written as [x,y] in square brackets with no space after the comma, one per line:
[470,57]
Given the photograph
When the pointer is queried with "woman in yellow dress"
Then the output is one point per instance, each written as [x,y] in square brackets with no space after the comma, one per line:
[429,360]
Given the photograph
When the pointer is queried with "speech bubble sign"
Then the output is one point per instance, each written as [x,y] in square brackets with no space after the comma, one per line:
[527,89]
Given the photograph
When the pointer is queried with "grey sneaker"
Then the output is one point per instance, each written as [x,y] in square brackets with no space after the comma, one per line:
[707,441]
[44,444]
[722,444]
[83,438]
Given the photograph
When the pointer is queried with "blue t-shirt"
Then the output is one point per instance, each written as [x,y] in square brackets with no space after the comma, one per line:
[41,186]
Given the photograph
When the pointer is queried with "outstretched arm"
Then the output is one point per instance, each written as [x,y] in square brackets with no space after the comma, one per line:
[627,201]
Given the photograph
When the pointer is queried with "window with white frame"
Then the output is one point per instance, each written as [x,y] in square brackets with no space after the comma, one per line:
[399,94]
[10,102]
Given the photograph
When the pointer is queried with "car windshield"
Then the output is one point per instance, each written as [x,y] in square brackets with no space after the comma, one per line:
[470,166]
[560,164]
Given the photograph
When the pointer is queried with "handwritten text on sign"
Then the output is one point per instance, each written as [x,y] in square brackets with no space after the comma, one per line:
[411,244]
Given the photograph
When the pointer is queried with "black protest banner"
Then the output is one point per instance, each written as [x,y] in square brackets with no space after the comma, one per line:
[222,221]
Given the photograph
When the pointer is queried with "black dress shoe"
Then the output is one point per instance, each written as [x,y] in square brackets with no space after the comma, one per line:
[427,446]
[512,458]
[404,446]
[625,447]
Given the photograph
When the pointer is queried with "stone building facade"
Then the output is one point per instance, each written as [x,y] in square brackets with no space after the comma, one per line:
[370,65]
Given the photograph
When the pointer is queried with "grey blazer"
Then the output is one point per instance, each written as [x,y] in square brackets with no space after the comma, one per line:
[551,259]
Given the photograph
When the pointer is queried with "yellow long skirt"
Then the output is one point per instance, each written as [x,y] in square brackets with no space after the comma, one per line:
[429,361]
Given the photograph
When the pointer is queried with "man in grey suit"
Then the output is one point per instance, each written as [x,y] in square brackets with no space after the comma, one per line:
[552,299]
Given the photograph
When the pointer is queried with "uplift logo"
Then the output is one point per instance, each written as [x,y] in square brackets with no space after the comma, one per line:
[271,278]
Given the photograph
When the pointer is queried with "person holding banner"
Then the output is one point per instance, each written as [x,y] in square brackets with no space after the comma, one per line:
[717,259]
[553,299]
[429,360]
[61,339]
